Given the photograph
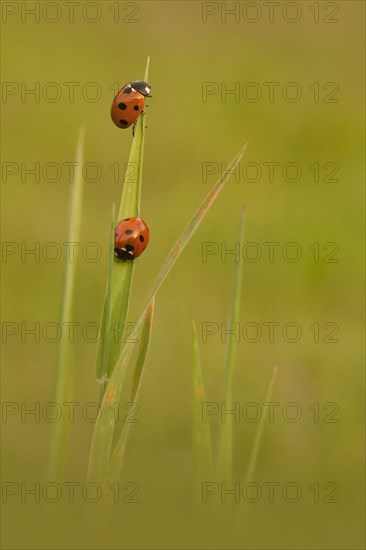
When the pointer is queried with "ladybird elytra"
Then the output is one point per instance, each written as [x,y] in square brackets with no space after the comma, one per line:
[131,237]
[129,103]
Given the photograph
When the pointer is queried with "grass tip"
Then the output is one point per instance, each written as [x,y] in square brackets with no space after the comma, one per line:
[241,152]
[81,133]
[146,76]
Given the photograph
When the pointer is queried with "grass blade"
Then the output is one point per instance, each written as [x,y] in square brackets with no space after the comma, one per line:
[201,430]
[115,466]
[259,433]
[101,461]
[106,422]
[122,271]
[109,346]
[225,450]
[192,225]
[115,313]
[65,366]
[103,351]
[144,347]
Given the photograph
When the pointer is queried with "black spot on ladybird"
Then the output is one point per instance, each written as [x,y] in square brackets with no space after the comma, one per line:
[127,90]
[141,238]
[122,106]
[123,122]
[128,231]
[136,107]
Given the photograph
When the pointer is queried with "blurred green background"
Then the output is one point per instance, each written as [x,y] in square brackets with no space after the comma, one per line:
[184,131]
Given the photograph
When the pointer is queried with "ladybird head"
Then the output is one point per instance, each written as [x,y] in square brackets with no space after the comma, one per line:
[141,86]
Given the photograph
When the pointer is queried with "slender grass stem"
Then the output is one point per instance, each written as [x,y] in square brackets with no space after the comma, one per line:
[259,433]
[225,449]
[201,430]
[65,364]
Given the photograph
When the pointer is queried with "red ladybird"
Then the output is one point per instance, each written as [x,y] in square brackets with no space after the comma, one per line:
[131,237]
[129,103]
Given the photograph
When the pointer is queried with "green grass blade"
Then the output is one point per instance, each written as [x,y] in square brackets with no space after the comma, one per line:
[103,350]
[201,430]
[115,465]
[122,272]
[100,460]
[146,75]
[259,433]
[65,365]
[105,426]
[143,349]
[225,450]
[192,225]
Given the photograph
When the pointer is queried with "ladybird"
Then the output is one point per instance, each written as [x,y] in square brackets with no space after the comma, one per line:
[131,237]
[129,103]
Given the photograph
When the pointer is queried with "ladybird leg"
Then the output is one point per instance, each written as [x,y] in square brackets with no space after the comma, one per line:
[143,113]
[134,128]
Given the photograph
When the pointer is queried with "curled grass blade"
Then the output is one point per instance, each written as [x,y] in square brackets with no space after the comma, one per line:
[111,339]
[201,430]
[65,364]
[225,450]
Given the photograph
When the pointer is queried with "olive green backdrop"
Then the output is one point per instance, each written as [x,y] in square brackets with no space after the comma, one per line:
[311,116]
